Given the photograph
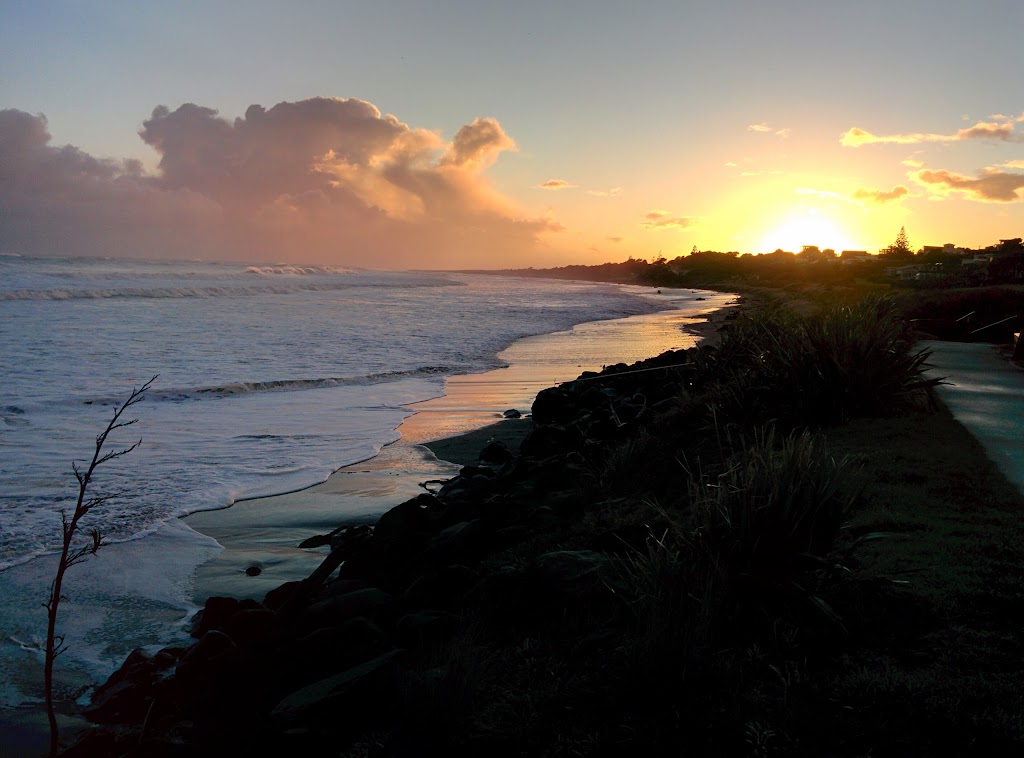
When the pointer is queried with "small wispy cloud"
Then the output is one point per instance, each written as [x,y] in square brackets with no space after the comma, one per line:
[1002,131]
[613,192]
[1013,164]
[764,128]
[659,220]
[616,240]
[913,163]
[556,184]
[881,197]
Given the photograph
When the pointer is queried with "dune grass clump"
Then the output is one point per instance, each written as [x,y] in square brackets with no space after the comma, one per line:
[777,501]
[768,522]
[820,370]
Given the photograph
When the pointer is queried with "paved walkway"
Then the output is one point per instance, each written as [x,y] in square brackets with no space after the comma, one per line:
[986,394]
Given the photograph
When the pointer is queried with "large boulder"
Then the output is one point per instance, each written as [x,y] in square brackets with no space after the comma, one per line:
[409,517]
[352,695]
[126,695]
[333,610]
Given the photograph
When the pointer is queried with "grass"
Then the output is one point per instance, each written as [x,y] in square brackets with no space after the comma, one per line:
[820,369]
[852,591]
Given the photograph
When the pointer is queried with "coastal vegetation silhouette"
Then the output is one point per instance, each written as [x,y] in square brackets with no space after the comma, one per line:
[74,552]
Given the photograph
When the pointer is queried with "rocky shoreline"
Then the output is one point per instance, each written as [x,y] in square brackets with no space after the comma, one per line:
[319,662]
[778,544]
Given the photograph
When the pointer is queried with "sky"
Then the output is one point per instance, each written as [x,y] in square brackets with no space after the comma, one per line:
[406,134]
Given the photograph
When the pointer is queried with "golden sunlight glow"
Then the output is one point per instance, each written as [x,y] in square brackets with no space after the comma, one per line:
[809,228]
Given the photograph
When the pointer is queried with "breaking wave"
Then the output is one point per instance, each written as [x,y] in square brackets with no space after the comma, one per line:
[161,293]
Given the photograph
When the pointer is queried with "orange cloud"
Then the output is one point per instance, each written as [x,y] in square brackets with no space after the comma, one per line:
[856,137]
[556,184]
[660,220]
[881,197]
[993,186]
[478,144]
[1014,164]
[324,179]
[613,192]
[615,239]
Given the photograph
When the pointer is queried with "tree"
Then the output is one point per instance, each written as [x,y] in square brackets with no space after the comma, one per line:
[900,247]
[72,554]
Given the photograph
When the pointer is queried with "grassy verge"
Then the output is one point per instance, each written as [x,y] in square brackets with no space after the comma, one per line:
[925,658]
[936,660]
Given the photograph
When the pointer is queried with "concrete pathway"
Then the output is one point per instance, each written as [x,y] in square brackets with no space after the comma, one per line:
[985,393]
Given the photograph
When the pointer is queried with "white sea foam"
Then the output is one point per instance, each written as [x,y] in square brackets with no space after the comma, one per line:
[262,388]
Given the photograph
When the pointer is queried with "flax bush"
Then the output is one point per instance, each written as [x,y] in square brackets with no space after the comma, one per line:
[850,361]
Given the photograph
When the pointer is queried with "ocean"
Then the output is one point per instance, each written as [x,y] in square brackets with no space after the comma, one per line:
[268,378]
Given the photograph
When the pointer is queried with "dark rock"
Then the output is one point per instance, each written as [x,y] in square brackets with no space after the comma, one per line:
[456,544]
[411,516]
[512,413]
[320,540]
[445,588]
[350,537]
[201,661]
[335,648]
[415,629]
[249,625]
[317,540]
[554,405]
[548,440]
[371,602]
[469,472]
[355,693]
[278,596]
[496,452]
[126,695]
[215,612]
[340,587]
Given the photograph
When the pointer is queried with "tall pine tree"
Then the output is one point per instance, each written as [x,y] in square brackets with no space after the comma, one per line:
[900,247]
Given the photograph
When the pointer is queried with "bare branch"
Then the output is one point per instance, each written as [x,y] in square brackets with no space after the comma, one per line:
[71,556]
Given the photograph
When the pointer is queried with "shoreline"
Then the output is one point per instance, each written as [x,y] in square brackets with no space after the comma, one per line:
[505,589]
[442,434]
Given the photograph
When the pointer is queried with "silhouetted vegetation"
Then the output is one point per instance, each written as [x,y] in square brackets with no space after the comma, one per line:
[75,551]
[773,546]
[816,273]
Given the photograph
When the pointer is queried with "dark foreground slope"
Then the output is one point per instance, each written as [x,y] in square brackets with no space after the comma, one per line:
[676,559]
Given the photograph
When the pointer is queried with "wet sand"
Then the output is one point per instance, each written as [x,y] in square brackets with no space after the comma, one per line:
[442,435]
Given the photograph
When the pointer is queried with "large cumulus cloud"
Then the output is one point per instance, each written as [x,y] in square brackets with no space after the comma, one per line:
[323,179]
[60,200]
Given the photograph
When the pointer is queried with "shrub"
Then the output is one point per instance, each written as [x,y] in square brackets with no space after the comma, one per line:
[849,361]
[776,502]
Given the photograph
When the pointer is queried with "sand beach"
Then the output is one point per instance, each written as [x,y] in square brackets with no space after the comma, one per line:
[262,536]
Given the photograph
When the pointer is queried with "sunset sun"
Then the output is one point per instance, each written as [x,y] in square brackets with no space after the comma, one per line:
[809,228]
